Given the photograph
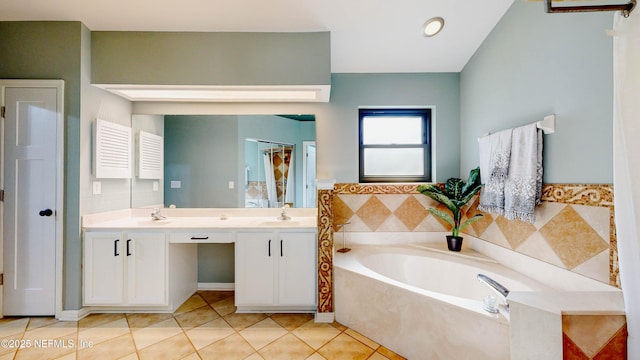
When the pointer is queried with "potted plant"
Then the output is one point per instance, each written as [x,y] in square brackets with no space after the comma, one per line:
[454,194]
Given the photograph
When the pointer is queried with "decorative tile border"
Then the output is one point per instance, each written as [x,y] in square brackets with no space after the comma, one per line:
[572,194]
[325,251]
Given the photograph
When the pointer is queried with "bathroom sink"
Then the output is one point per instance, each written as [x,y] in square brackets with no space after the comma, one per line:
[277,223]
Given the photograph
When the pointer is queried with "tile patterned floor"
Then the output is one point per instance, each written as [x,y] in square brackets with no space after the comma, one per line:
[204,327]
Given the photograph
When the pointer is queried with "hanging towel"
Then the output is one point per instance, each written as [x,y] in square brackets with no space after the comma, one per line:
[499,146]
[523,188]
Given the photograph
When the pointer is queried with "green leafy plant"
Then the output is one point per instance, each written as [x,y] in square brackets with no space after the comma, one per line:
[454,194]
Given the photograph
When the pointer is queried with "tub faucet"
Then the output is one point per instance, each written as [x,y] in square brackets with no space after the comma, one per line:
[155,215]
[497,287]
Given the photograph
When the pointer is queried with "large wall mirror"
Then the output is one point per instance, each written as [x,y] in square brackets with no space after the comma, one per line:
[216,161]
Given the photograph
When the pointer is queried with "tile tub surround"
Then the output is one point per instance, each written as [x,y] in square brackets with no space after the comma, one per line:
[204,327]
[574,226]
[594,336]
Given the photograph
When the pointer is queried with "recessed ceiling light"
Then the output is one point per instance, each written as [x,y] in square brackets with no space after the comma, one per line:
[432,26]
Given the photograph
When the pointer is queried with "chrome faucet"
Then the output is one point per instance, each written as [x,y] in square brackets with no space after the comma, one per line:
[283,214]
[497,287]
[155,215]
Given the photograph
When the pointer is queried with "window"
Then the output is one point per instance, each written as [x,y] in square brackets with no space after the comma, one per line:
[395,145]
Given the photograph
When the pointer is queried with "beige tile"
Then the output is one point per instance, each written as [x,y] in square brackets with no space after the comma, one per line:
[115,348]
[139,321]
[516,232]
[344,347]
[133,356]
[292,321]
[196,317]
[193,356]
[36,322]
[378,356]
[373,213]
[410,212]
[287,347]
[60,346]
[254,356]
[363,339]
[339,326]
[10,355]
[194,302]
[98,319]
[69,356]
[241,321]
[153,334]
[212,297]
[225,307]
[316,334]
[316,356]
[389,354]
[176,347]
[342,213]
[54,331]
[12,326]
[572,239]
[209,333]
[262,333]
[591,332]
[229,348]
[104,332]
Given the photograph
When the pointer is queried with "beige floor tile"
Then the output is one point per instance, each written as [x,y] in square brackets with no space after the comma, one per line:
[363,339]
[344,347]
[292,321]
[98,319]
[155,333]
[389,354]
[197,317]
[139,321]
[254,356]
[53,331]
[175,347]
[339,326]
[194,302]
[213,297]
[241,321]
[316,334]
[104,332]
[9,355]
[69,356]
[114,348]
[378,356]
[209,333]
[133,356]
[225,307]
[36,322]
[316,356]
[193,356]
[53,348]
[229,348]
[287,347]
[262,333]
[12,326]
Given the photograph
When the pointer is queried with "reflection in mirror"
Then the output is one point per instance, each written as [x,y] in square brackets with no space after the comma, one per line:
[207,161]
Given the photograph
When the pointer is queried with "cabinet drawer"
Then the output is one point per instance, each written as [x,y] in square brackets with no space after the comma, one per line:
[202,237]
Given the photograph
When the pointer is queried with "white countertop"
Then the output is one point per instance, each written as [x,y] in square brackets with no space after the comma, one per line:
[176,219]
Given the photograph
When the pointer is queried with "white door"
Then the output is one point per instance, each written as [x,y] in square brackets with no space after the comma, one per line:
[309,174]
[297,269]
[146,268]
[103,268]
[29,209]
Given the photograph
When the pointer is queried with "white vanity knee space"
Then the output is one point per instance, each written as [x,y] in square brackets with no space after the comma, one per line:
[134,264]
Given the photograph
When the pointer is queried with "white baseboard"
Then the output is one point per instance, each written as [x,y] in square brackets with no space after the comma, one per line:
[73,315]
[216,286]
[327,317]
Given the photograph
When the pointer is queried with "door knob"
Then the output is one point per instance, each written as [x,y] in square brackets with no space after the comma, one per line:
[46,212]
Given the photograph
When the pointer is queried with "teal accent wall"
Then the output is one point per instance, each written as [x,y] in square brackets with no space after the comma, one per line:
[51,50]
[205,58]
[534,64]
[338,129]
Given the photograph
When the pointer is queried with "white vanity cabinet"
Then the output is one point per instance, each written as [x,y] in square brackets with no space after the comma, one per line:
[125,269]
[275,270]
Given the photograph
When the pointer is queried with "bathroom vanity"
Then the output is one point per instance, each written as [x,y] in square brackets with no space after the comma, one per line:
[134,263]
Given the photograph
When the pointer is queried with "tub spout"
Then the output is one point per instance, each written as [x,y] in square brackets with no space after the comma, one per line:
[495,286]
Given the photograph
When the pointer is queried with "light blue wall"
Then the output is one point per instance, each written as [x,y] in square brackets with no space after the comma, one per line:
[533,64]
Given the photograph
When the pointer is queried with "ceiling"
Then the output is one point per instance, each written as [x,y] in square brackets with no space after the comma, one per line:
[367,36]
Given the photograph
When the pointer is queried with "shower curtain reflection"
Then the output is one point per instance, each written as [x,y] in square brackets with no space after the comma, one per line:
[270,175]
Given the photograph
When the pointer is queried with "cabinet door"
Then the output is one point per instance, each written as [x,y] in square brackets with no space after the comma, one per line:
[297,268]
[254,269]
[146,274]
[103,268]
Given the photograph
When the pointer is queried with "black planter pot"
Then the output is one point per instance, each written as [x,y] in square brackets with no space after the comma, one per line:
[454,243]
